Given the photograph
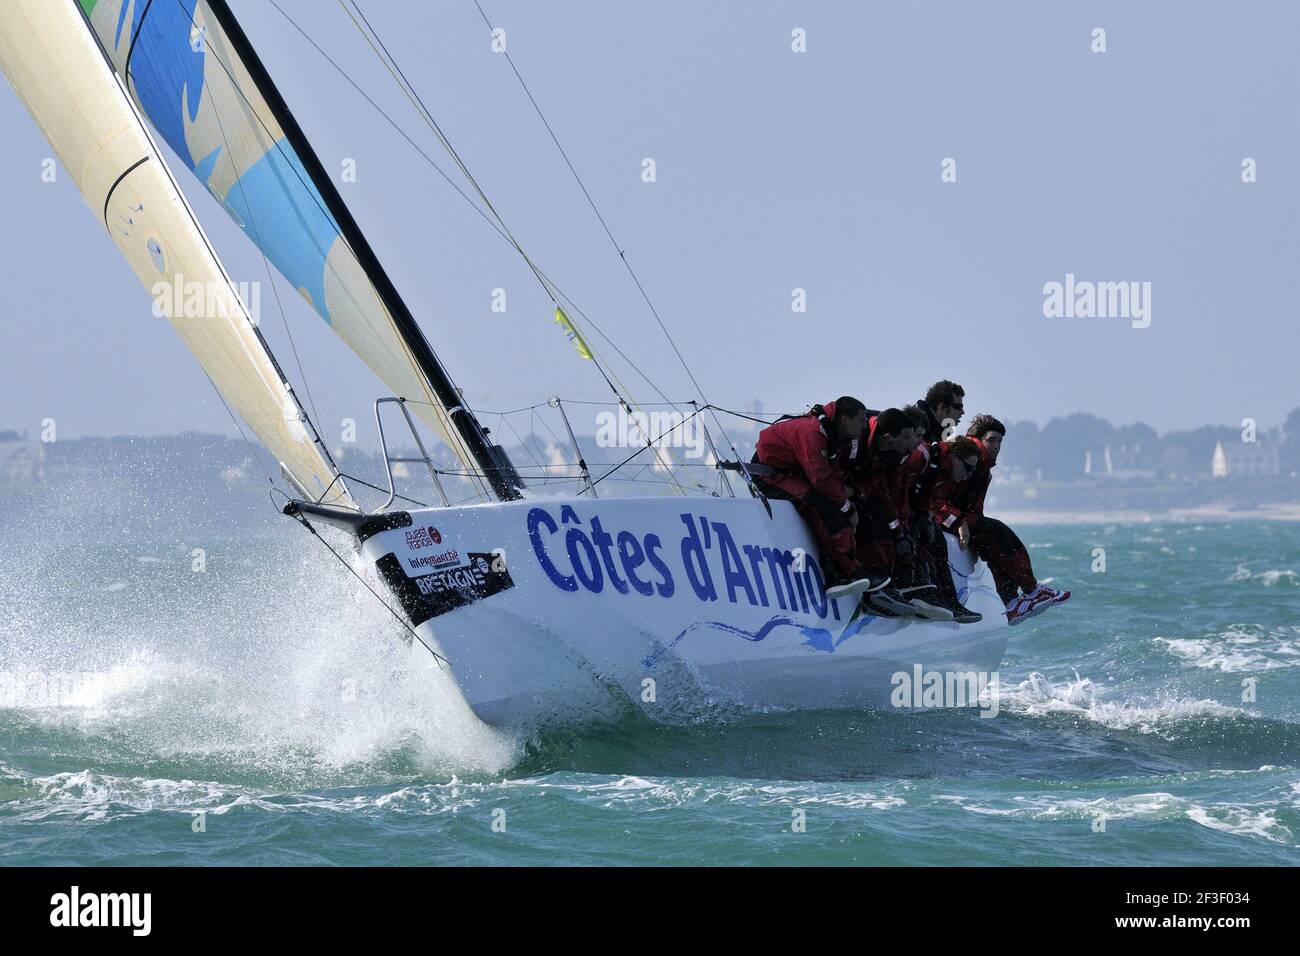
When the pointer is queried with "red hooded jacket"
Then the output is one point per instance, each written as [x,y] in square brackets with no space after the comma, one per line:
[806,455]
[910,492]
[877,474]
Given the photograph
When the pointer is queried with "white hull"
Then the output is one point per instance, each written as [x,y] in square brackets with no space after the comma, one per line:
[494,589]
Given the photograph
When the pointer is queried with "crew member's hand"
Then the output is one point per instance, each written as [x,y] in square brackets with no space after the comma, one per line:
[963,535]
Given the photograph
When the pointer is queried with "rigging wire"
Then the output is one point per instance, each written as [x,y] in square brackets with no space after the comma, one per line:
[301,519]
[622,253]
[544,469]
[390,63]
[414,501]
[440,412]
[574,308]
[549,285]
[502,420]
[639,450]
[394,69]
[257,455]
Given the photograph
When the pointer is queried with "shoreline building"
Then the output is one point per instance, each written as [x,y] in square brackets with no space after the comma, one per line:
[1245,460]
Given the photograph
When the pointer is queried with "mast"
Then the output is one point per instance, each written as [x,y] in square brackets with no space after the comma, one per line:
[490,459]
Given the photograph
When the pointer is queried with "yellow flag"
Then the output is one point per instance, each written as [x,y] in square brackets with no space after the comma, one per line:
[574,335]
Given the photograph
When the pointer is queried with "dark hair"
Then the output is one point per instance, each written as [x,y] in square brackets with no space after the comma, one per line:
[964,447]
[892,421]
[944,392]
[981,425]
[847,406]
[917,415]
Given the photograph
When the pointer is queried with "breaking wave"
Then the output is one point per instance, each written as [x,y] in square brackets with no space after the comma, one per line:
[1269,578]
[1239,648]
[1036,696]
[297,676]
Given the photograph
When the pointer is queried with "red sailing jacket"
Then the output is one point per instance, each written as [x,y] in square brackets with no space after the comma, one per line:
[806,455]
[908,493]
[954,502]
[976,486]
[877,475]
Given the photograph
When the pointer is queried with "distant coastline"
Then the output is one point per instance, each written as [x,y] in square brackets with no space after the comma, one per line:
[1204,513]
[231,475]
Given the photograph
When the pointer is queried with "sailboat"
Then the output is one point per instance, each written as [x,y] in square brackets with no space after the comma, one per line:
[537,604]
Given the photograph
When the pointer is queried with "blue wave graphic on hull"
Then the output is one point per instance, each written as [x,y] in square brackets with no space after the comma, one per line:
[818,638]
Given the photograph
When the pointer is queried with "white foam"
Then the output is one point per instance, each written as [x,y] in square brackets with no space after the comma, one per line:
[91,796]
[638,791]
[1270,578]
[1155,806]
[1037,696]
[1240,648]
[87,795]
[1241,820]
[295,671]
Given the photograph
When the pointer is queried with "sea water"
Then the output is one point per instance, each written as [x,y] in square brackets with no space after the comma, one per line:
[177,690]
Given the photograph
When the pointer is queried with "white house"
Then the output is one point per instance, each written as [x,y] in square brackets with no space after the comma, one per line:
[1245,460]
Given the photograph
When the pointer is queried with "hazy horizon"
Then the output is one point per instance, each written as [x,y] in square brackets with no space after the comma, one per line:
[33,431]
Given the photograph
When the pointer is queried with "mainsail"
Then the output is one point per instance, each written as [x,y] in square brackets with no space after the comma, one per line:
[195,76]
[60,72]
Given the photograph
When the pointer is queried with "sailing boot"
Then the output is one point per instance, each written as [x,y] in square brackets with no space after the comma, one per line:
[858,582]
[925,599]
[932,594]
[888,602]
[964,615]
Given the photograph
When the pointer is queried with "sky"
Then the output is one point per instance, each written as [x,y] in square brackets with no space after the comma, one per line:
[775,170]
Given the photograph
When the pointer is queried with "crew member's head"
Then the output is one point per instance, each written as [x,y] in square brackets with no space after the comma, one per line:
[946,399]
[919,422]
[990,431]
[894,431]
[850,417]
[963,458]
